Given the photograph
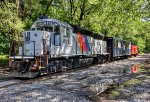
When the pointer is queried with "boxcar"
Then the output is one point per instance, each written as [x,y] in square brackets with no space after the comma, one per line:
[118,48]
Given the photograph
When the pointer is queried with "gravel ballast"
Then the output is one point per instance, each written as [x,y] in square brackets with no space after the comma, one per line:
[77,86]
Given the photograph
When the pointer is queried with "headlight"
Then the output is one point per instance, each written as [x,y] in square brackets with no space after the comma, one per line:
[35,65]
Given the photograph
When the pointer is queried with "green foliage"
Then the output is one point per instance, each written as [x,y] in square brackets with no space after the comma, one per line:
[4,45]
[120,18]
[10,25]
[115,94]
[3,60]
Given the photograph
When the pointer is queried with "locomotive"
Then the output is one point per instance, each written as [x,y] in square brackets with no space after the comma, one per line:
[51,46]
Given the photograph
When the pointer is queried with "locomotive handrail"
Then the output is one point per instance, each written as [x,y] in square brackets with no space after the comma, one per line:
[34,49]
[76,48]
[50,47]
[22,49]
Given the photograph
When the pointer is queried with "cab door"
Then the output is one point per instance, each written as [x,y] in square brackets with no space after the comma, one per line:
[56,42]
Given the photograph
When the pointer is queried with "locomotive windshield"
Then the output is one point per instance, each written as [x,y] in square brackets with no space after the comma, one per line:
[50,26]
[67,32]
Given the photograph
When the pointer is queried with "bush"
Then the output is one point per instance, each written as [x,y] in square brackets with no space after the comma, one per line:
[3,60]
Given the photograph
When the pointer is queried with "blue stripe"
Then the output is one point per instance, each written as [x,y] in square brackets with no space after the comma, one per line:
[87,43]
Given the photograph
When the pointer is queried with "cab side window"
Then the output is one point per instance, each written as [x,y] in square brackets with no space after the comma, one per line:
[67,32]
[57,29]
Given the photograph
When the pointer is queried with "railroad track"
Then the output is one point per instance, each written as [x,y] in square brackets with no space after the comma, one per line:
[9,81]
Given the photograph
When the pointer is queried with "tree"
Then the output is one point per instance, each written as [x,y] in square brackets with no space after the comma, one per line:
[120,18]
[10,24]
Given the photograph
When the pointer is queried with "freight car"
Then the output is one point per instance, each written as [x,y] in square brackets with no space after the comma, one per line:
[134,50]
[52,46]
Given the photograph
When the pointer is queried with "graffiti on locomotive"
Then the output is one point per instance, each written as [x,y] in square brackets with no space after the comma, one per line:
[42,23]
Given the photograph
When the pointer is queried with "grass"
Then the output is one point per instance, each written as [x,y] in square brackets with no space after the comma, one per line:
[3,60]
[115,93]
[132,82]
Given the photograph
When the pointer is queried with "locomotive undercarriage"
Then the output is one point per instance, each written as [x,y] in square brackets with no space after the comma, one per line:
[31,68]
